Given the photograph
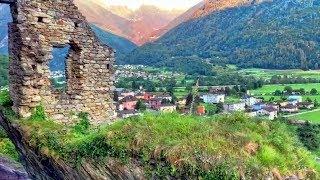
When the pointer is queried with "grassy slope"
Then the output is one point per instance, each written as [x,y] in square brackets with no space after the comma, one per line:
[6,146]
[188,144]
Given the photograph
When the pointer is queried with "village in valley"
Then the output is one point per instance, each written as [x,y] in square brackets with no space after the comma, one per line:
[132,103]
[142,89]
[132,98]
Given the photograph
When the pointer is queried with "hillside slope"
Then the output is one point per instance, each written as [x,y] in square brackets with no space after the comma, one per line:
[100,16]
[217,5]
[122,45]
[281,34]
[180,19]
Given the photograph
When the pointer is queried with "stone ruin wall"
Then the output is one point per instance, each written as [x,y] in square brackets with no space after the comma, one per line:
[40,25]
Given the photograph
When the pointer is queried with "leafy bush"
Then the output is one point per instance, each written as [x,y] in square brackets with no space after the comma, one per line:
[38,114]
[4,66]
[6,146]
[8,149]
[83,125]
[5,100]
[309,135]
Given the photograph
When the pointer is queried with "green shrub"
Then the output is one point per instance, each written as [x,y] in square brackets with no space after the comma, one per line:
[7,149]
[268,156]
[5,100]
[38,114]
[221,172]
[309,135]
[83,125]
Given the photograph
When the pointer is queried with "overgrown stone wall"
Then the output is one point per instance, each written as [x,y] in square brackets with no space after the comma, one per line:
[39,26]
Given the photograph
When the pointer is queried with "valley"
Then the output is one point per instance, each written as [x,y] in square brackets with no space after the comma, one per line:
[224,89]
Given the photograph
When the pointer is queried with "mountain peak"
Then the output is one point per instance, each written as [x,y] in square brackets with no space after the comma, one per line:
[133,24]
[122,11]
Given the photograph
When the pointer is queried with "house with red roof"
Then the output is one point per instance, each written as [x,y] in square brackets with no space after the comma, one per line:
[128,103]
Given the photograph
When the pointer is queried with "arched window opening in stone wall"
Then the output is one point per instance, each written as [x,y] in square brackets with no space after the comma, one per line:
[5,18]
[74,75]
[57,67]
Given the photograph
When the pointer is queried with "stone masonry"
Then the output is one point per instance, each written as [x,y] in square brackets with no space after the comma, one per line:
[39,26]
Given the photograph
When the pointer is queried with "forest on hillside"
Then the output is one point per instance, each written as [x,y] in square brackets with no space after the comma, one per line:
[283,34]
[4,63]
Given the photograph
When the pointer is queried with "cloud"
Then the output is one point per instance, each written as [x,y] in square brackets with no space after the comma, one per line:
[166,4]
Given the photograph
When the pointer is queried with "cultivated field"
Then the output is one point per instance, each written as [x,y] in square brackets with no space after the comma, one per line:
[267,74]
[267,91]
[309,116]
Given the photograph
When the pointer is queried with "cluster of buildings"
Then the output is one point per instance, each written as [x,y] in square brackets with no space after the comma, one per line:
[138,71]
[57,74]
[127,101]
[162,102]
[254,107]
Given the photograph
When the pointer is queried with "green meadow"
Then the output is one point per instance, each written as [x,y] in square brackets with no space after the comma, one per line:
[269,89]
[267,73]
[310,116]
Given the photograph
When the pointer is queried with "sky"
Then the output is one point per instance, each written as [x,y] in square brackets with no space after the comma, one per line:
[164,4]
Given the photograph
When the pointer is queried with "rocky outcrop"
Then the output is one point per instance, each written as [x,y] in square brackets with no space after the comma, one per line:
[40,166]
[11,171]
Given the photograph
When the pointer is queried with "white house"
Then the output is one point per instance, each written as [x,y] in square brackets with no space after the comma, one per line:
[271,112]
[251,113]
[249,100]
[128,113]
[213,98]
[305,105]
[290,108]
[295,99]
[168,108]
[164,97]
[234,107]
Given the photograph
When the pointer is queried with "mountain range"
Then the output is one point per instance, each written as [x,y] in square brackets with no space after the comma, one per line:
[136,25]
[145,24]
[277,34]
